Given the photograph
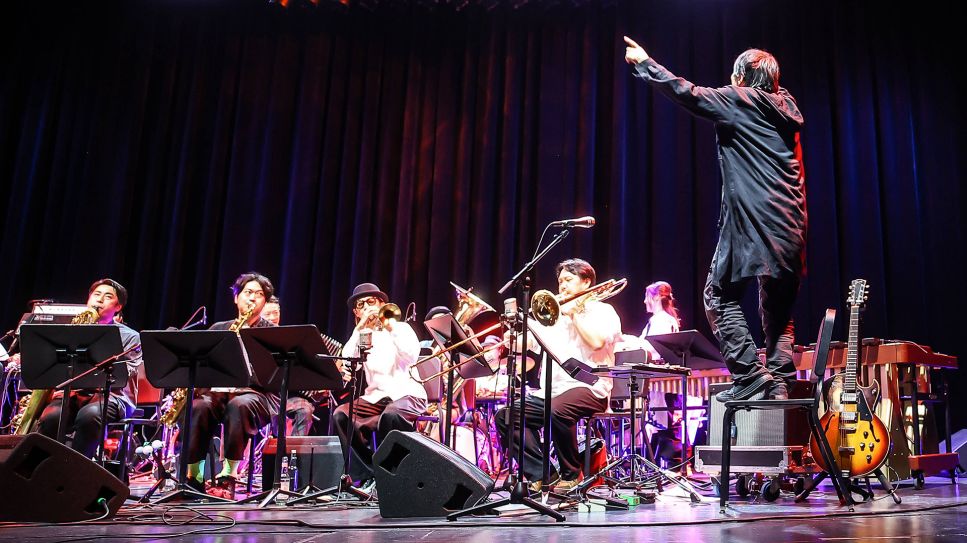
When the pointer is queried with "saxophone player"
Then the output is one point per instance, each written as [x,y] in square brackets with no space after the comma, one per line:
[392,400]
[105,298]
[242,411]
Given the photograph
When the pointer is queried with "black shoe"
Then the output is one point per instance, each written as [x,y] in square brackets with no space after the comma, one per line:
[741,392]
[776,390]
[195,484]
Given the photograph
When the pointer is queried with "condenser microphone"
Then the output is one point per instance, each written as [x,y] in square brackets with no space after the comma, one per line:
[510,308]
[581,222]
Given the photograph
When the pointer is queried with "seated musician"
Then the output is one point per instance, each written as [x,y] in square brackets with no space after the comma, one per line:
[299,407]
[392,399]
[587,331]
[660,302]
[242,411]
[106,297]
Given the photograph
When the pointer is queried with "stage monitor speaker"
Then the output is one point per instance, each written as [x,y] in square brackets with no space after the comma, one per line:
[45,481]
[318,458]
[760,427]
[418,477]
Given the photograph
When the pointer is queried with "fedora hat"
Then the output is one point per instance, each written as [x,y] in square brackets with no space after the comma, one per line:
[364,290]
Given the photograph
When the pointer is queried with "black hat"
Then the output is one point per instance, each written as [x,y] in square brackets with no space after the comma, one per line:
[364,290]
[437,310]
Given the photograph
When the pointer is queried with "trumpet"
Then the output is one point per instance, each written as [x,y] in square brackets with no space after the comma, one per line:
[546,306]
[385,312]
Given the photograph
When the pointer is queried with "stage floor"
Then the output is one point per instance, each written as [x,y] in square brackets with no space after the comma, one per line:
[934,513]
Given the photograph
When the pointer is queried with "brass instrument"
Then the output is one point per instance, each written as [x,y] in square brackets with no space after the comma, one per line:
[385,312]
[174,403]
[32,405]
[546,306]
[469,307]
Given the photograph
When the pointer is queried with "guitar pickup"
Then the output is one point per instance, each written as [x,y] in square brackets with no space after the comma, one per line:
[847,450]
[848,416]
[847,397]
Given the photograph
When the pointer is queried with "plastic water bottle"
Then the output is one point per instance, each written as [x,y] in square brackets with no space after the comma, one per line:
[283,481]
[293,471]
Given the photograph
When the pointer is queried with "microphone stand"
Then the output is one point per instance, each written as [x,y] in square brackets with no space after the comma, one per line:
[519,493]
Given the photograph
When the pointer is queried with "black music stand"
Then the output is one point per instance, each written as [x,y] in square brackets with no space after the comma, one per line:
[53,355]
[190,359]
[445,332]
[281,356]
[697,353]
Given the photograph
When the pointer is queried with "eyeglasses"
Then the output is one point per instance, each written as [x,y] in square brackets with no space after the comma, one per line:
[256,293]
[361,303]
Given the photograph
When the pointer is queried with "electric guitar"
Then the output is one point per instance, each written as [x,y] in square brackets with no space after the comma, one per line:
[859,440]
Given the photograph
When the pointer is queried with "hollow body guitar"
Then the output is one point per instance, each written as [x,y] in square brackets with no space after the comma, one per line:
[859,440]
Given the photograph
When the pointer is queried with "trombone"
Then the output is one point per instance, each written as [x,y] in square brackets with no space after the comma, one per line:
[546,309]
[546,306]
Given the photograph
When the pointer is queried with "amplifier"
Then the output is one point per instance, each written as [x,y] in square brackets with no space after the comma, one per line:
[318,457]
[758,428]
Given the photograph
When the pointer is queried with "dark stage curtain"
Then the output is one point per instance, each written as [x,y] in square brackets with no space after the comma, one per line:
[174,145]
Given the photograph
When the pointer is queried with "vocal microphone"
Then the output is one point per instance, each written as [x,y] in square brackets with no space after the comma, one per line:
[581,222]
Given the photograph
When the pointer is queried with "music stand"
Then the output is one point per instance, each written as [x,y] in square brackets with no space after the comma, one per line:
[445,332]
[281,356]
[53,355]
[190,359]
[697,353]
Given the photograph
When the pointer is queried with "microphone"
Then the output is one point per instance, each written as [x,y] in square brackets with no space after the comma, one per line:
[581,222]
[365,339]
[510,309]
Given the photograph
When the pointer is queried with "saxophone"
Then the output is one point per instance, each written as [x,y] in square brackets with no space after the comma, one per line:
[32,405]
[174,403]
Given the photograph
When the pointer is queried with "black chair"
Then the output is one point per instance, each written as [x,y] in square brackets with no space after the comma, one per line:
[810,405]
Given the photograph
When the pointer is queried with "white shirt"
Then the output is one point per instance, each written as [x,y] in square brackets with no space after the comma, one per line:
[566,342]
[388,363]
[658,324]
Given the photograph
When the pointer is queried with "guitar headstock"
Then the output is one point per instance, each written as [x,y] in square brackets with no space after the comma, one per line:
[858,293]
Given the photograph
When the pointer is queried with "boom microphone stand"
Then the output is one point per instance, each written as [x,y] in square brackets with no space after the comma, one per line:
[519,493]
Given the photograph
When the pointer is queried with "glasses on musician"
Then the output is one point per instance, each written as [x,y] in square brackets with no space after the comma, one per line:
[367,301]
[256,293]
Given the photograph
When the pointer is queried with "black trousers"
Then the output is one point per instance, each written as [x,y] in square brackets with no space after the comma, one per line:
[383,417]
[776,298]
[83,418]
[566,410]
[242,415]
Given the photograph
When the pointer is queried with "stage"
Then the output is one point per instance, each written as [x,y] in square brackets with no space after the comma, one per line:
[934,513]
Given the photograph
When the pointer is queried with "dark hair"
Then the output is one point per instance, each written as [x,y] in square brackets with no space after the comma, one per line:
[122,292]
[663,291]
[757,69]
[262,280]
[273,299]
[578,267]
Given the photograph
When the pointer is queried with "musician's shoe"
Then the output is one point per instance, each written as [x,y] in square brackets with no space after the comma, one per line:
[224,487]
[564,486]
[537,485]
[744,392]
[195,484]
[776,390]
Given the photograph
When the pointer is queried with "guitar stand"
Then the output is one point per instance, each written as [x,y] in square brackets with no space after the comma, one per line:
[854,488]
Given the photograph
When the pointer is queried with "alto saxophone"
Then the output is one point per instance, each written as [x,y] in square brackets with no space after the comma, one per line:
[175,401]
[32,405]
